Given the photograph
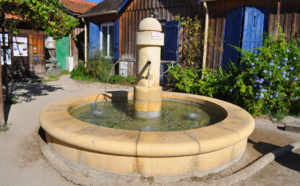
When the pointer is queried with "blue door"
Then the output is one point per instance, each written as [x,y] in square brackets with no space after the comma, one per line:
[170,51]
[117,39]
[94,38]
[233,32]
[171,40]
[254,26]
[244,28]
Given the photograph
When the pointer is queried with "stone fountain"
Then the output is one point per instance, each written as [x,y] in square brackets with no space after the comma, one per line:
[155,154]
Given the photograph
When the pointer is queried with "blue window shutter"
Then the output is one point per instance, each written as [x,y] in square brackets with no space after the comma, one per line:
[94,38]
[171,40]
[232,36]
[117,39]
[255,24]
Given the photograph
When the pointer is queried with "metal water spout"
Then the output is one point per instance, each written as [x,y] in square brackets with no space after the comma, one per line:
[147,92]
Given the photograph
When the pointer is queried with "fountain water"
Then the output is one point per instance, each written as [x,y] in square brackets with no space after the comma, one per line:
[143,152]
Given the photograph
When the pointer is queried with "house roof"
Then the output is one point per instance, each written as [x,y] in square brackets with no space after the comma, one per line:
[78,6]
[115,6]
[104,7]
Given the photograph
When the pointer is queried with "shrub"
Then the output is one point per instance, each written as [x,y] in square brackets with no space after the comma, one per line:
[117,79]
[97,67]
[79,70]
[265,82]
[268,82]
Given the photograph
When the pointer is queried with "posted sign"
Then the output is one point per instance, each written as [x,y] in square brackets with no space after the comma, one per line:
[20,46]
[156,35]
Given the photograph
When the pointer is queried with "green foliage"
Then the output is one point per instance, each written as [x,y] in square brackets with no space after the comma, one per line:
[55,77]
[4,128]
[48,15]
[267,80]
[85,78]
[188,73]
[280,115]
[10,101]
[98,68]
[184,78]
[191,36]
[79,70]
[117,79]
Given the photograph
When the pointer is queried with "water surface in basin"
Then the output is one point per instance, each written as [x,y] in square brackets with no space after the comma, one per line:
[175,116]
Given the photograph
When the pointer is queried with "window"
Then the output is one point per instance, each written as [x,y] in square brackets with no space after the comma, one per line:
[107,39]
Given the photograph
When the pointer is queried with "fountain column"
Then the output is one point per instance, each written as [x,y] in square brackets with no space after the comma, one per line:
[147,92]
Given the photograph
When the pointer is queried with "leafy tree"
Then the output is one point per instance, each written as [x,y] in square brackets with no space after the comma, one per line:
[47,15]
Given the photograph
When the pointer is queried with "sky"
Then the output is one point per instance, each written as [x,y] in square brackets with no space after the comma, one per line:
[96,1]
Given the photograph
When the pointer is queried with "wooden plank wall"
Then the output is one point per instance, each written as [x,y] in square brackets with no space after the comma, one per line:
[285,12]
[140,9]
[21,66]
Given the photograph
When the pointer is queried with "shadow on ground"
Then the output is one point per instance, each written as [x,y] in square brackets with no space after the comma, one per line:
[29,91]
[291,160]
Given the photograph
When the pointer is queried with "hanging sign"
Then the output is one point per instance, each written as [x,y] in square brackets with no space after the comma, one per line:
[20,46]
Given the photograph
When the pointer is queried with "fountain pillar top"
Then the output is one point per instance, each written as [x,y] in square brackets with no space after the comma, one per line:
[149,24]
[149,33]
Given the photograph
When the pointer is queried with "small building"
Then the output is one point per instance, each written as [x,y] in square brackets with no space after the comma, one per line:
[67,46]
[25,52]
[113,23]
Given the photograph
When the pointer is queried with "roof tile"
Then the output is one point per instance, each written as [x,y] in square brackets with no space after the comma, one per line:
[78,6]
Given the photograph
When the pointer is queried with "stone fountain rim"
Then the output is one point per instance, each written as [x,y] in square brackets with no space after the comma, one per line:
[57,122]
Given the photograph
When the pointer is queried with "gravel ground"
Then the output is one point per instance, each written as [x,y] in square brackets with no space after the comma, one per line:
[21,162]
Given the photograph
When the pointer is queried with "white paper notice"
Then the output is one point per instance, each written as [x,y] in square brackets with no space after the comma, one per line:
[156,35]
[20,46]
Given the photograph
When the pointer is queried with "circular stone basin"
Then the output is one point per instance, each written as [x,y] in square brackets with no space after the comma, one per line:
[194,152]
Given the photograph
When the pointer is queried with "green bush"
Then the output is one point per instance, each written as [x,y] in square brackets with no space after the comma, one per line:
[97,67]
[79,70]
[117,79]
[264,83]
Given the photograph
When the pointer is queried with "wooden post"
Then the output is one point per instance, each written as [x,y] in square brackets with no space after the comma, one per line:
[278,17]
[2,118]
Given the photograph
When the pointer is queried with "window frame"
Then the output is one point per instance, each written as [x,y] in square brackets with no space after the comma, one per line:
[107,25]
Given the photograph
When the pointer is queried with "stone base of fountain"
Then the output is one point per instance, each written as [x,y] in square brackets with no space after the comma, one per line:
[194,152]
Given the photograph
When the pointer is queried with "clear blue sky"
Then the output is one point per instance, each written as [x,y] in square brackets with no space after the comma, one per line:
[96,1]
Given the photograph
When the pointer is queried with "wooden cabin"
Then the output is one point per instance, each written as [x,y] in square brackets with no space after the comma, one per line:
[27,52]
[112,25]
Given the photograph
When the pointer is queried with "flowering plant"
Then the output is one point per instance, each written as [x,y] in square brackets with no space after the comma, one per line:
[269,81]
[266,81]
